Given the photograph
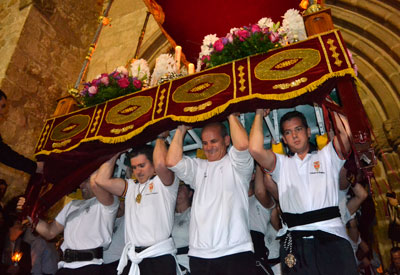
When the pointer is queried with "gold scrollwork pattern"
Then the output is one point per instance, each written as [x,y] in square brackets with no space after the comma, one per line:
[96,121]
[295,83]
[242,80]
[201,107]
[43,137]
[287,64]
[61,144]
[201,88]
[335,55]
[161,99]
[70,127]
[129,110]
[121,130]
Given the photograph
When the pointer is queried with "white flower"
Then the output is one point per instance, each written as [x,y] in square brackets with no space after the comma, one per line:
[140,69]
[233,30]
[265,22]
[122,70]
[165,64]
[210,39]
[206,50]
[294,25]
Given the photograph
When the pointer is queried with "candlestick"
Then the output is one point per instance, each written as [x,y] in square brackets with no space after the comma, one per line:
[178,53]
[191,68]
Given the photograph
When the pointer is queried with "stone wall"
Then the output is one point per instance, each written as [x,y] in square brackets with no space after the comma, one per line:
[45,43]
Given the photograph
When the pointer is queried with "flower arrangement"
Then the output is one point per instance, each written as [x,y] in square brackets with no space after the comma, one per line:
[252,39]
[115,84]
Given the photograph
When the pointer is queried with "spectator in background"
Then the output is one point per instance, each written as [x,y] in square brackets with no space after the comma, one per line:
[180,230]
[7,155]
[394,268]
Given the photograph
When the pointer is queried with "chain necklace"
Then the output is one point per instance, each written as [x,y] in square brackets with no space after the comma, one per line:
[139,195]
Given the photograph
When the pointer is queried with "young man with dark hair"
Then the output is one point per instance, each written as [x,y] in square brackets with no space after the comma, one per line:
[219,237]
[314,238]
[149,210]
[7,155]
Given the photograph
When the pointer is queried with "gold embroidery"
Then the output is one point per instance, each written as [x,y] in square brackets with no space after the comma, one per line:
[192,109]
[242,80]
[201,88]
[43,136]
[284,86]
[268,69]
[129,110]
[287,63]
[61,144]
[335,55]
[96,122]
[122,130]
[161,103]
[70,127]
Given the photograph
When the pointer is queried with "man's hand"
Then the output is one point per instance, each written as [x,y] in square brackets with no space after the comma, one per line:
[263,112]
[39,168]
[20,203]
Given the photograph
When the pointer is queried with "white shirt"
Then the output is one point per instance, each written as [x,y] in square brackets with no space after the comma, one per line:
[310,184]
[259,216]
[114,251]
[87,224]
[151,220]
[180,234]
[219,223]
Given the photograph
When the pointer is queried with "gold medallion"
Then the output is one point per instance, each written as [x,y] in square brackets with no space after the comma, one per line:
[290,260]
[138,198]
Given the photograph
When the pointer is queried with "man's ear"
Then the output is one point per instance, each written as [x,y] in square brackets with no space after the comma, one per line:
[227,140]
[284,140]
[309,132]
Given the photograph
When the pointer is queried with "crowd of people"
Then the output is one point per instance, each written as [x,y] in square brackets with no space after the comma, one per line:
[243,209]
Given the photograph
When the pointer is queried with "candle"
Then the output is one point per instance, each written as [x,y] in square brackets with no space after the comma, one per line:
[178,53]
[191,68]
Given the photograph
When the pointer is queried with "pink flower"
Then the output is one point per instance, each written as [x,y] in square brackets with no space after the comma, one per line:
[218,45]
[205,57]
[104,80]
[255,28]
[274,37]
[137,83]
[92,90]
[229,36]
[243,34]
[123,82]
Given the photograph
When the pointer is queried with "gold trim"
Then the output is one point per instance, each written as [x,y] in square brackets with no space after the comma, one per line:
[234,78]
[167,104]
[343,50]
[43,136]
[133,108]
[81,123]
[328,63]
[249,75]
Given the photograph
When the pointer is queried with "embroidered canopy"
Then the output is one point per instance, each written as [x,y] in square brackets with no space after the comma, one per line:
[74,145]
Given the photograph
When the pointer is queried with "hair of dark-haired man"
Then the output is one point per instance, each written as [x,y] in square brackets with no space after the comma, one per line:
[394,250]
[3,182]
[2,94]
[289,116]
[146,150]
[222,128]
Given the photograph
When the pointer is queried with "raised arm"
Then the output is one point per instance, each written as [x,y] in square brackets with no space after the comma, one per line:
[175,151]
[159,161]
[239,137]
[104,179]
[344,134]
[260,189]
[102,195]
[360,194]
[266,158]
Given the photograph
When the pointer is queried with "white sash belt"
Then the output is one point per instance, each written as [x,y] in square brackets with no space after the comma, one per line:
[159,249]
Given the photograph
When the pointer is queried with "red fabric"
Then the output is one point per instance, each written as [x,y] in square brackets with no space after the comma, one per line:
[187,22]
